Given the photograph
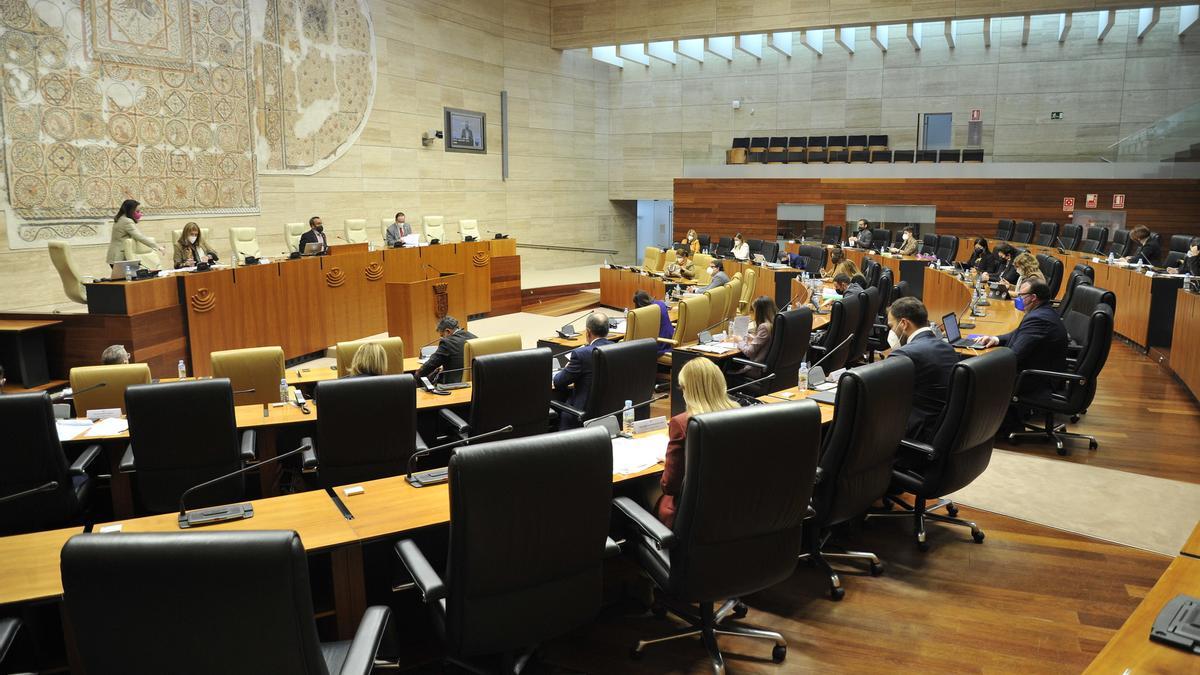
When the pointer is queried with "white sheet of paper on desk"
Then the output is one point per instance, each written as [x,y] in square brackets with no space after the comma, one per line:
[631,455]
[69,429]
[108,427]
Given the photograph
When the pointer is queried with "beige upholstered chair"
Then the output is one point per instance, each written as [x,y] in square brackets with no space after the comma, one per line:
[469,228]
[392,346]
[749,283]
[291,235]
[356,231]
[384,224]
[72,281]
[147,256]
[642,322]
[257,368]
[244,241]
[495,344]
[693,316]
[718,307]
[653,259]
[115,379]
[435,228]
[735,297]
[701,261]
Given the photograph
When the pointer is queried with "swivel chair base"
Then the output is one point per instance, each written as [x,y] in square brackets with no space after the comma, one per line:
[919,513]
[817,553]
[711,623]
[1055,433]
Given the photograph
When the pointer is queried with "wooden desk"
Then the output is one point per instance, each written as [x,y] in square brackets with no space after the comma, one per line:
[617,286]
[307,377]
[1191,547]
[23,350]
[30,570]
[1185,347]
[1131,650]
[132,297]
[793,394]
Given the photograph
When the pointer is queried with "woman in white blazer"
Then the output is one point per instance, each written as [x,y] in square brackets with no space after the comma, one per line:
[125,227]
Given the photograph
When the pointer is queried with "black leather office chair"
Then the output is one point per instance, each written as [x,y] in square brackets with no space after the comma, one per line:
[1052,269]
[777,150]
[366,429]
[1083,274]
[881,238]
[1094,240]
[818,149]
[1047,234]
[520,569]
[623,371]
[857,454]
[1004,229]
[203,602]
[1180,243]
[1077,314]
[903,290]
[1119,244]
[1173,259]
[754,246]
[770,251]
[1073,390]
[790,334]
[38,489]
[9,628]
[929,244]
[870,301]
[832,234]
[871,271]
[705,240]
[845,315]
[1023,233]
[877,340]
[904,156]
[1070,236]
[494,379]
[168,460]
[947,248]
[976,403]
[731,539]
[814,258]
[1090,246]
[724,246]
[972,155]
[758,149]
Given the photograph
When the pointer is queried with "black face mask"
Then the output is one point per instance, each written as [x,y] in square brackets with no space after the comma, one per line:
[320,228]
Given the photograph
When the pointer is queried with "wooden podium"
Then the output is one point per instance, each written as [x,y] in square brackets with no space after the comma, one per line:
[414,308]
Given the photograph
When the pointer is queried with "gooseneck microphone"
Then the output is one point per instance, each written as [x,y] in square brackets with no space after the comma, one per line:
[431,267]
[568,329]
[747,399]
[46,487]
[622,409]
[815,368]
[221,514]
[61,395]
[435,476]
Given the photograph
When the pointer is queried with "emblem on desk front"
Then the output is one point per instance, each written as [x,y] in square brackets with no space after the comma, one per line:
[441,300]
[481,258]
[373,272]
[203,300]
[335,277]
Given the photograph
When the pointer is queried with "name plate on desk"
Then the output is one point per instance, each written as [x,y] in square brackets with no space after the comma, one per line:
[103,413]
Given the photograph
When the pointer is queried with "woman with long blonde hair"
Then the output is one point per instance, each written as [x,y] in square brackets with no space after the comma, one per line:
[369,359]
[703,388]
[1028,268]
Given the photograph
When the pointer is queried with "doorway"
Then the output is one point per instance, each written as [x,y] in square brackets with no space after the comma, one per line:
[936,131]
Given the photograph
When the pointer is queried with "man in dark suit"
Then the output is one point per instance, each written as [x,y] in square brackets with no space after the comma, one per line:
[449,354]
[933,360]
[1150,248]
[578,371]
[315,234]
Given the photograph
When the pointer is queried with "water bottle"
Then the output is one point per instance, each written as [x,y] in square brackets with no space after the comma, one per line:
[1111,258]
[283,390]
[627,418]
[802,377]
[182,370]
[128,273]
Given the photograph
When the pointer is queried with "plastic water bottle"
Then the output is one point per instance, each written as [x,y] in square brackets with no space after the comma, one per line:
[128,273]
[283,390]
[1111,258]
[182,370]
[802,377]
[627,418]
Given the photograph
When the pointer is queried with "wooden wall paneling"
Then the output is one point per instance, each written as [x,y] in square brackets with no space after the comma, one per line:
[214,308]
[402,264]
[353,306]
[506,284]
[261,318]
[1185,348]
[157,338]
[610,280]
[965,207]
[305,325]
[1138,300]
[477,268]
[442,258]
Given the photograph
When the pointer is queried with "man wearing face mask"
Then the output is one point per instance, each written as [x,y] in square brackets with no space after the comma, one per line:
[862,236]
[933,360]
[1191,263]
[315,235]
[909,243]
[1040,341]
[718,276]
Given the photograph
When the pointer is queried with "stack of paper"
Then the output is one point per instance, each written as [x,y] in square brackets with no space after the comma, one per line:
[69,429]
[108,427]
[631,455]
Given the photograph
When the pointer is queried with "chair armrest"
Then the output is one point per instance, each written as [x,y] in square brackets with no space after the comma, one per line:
[420,443]
[611,548]
[127,465]
[427,580]
[669,341]
[566,409]
[80,465]
[653,527]
[819,348]
[917,446]
[308,458]
[8,634]
[460,425]
[818,476]
[249,441]
[360,659]
[747,362]
[1048,374]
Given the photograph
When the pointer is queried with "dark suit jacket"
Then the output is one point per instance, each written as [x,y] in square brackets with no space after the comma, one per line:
[1190,266]
[985,261]
[449,355]
[1150,252]
[864,237]
[1010,272]
[578,372]
[310,237]
[933,360]
[1040,342]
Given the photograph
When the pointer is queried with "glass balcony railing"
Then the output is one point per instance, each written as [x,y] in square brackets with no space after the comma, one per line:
[1174,137]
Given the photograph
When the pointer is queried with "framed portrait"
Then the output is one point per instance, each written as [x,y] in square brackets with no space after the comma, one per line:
[466,131]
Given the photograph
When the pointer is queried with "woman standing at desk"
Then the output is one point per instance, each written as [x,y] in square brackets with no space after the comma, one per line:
[125,227]
[703,388]
[691,242]
[191,248]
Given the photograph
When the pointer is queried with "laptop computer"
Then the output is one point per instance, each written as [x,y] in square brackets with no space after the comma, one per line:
[120,268]
[953,334]
[313,248]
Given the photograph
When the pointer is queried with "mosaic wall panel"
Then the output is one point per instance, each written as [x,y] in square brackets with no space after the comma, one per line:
[315,68]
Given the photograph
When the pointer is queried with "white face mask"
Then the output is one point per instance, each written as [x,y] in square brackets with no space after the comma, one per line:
[712,271]
[192,238]
[893,339]
[1192,252]
[905,236]
[690,237]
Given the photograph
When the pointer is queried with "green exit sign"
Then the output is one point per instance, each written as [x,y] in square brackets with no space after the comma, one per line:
[1056,116]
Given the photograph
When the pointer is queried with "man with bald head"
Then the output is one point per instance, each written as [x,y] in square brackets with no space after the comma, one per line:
[574,381]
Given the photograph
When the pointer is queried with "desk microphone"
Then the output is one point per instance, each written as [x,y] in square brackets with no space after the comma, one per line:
[568,329]
[623,408]
[1062,245]
[764,378]
[435,476]
[440,273]
[61,395]
[815,374]
[747,399]
[221,514]
[47,487]
[442,371]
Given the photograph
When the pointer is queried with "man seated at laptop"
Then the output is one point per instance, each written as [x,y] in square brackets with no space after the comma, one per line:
[933,361]
[449,354]
[845,285]
[573,383]
[315,235]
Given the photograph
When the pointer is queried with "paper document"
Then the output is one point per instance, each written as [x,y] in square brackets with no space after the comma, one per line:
[412,240]
[631,455]
[69,429]
[108,427]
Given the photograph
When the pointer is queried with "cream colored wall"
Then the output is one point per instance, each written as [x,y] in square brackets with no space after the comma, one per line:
[667,117]
[432,55]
